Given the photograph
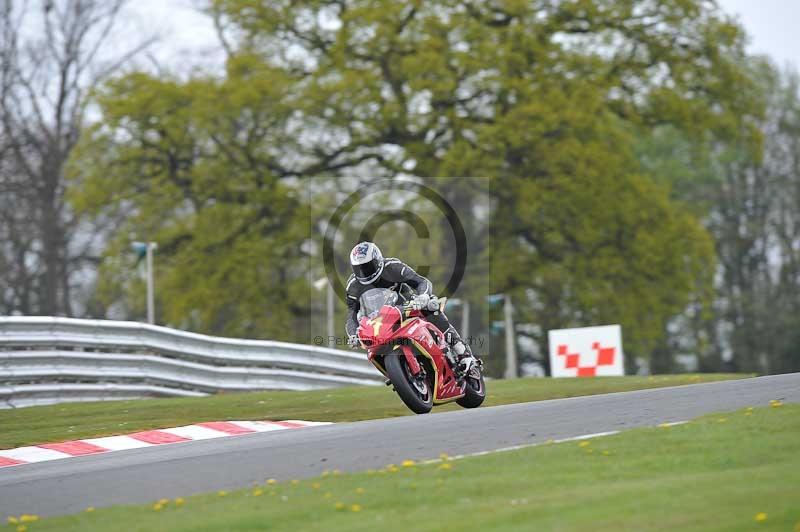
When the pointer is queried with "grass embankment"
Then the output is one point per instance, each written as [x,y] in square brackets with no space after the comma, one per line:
[736,471]
[45,424]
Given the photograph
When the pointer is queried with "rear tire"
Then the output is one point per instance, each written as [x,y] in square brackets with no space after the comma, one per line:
[474,391]
[418,401]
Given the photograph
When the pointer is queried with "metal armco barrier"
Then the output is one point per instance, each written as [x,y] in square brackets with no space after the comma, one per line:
[47,360]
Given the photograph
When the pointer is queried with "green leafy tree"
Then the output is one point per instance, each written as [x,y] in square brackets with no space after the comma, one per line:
[747,199]
[546,98]
[195,167]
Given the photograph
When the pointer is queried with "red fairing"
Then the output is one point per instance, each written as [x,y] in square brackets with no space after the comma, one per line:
[387,330]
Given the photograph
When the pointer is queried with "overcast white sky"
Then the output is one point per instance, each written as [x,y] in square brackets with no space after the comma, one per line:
[189,37]
[772,26]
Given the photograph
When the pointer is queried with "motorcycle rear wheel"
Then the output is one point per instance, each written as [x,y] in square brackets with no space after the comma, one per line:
[475,390]
[417,396]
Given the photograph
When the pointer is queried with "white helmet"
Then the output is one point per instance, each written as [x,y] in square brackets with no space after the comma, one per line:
[367,262]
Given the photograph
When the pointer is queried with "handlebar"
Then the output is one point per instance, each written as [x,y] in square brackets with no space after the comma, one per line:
[408,306]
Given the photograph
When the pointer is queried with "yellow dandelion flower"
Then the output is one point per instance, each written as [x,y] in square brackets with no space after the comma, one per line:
[445,466]
[391,468]
[179,501]
[90,509]
[339,505]
[748,413]
[163,502]
[316,485]
[25,518]
[257,493]
[157,507]
[408,463]
[22,528]
[584,443]
[272,481]
[444,456]
[748,409]
[775,403]
[606,453]
[760,516]
[222,493]
[326,473]
[355,508]
[12,520]
[359,490]
[664,425]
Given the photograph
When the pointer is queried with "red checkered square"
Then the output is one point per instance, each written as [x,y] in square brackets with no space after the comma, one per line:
[572,361]
[605,356]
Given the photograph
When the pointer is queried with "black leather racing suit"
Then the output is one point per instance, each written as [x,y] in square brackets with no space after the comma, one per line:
[401,278]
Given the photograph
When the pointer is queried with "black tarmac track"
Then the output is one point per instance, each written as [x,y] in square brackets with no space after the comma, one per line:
[143,475]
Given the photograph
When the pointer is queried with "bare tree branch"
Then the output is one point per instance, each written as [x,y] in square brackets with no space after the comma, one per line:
[44,80]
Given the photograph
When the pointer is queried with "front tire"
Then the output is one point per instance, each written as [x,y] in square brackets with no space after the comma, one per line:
[474,391]
[416,394]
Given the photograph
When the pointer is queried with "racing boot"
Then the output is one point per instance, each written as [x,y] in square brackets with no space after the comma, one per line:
[463,352]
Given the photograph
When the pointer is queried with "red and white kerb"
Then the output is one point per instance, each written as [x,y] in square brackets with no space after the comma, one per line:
[147,438]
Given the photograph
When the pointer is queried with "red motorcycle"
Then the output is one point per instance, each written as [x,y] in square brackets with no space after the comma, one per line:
[413,354]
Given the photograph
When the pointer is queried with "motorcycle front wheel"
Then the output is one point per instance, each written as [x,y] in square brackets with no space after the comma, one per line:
[415,392]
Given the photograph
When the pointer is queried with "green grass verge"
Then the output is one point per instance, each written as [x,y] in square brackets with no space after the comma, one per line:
[44,424]
[725,472]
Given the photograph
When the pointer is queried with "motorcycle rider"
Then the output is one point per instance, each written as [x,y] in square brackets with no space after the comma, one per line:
[371,270]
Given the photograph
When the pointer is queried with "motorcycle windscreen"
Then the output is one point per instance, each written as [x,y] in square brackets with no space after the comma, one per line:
[372,300]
